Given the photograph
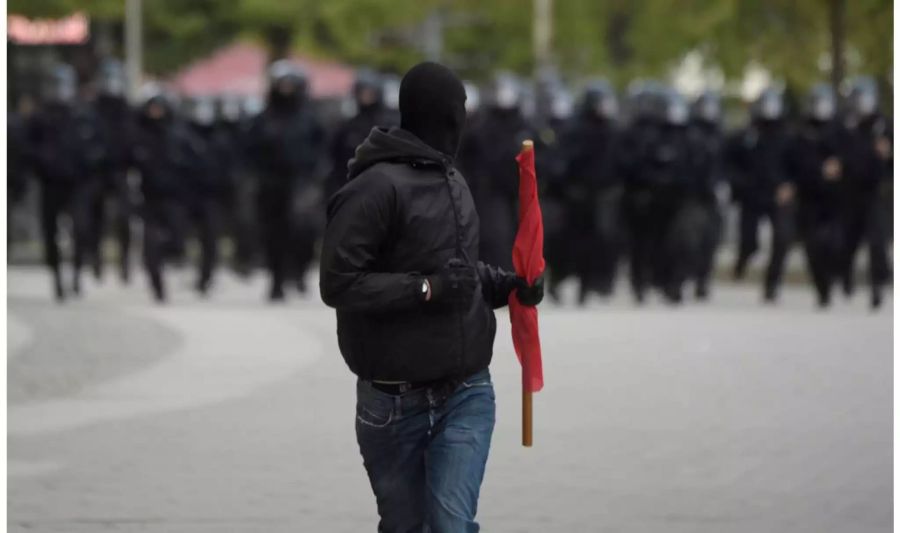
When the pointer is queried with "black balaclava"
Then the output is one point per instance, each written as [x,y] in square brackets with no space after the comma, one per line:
[433,106]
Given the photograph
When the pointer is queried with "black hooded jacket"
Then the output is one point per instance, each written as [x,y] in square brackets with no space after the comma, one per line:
[348,136]
[403,214]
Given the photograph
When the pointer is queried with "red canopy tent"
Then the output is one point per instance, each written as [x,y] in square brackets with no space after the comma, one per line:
[240,69]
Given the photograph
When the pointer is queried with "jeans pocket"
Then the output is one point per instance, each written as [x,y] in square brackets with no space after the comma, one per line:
[374,415]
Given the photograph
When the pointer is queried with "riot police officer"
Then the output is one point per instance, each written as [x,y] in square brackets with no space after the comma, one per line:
[238,213]
[707,183]
[115,131]
[370,112]
[473,99]
[636,202]
[207,189]
[166,156]
[284,143]
[592,192]
[551,169]
[673,230]
[390,94]
[61,139]
[655,190]
[468,154]
[18,167]
[817,169]
[868,182]
[761,185]
[493,176]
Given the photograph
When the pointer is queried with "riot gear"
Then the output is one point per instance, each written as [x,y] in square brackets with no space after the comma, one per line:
[506,92]
[821,103]
[229,109]
[115,135]
[367,90]
[473,97]
[600,99]
[492,142]
[62,138]
[644,100]
[288,84]
[868,183]
[707,108]
[202,112]
[560,104]
[111,79]
[756,157]
[284,144]
[707,185]
[863,96]
[61,84]
[675,108]
[769,105]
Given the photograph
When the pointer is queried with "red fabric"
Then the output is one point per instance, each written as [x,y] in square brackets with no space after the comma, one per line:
[528,260]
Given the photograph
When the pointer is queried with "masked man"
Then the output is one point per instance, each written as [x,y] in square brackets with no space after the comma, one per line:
[415,310]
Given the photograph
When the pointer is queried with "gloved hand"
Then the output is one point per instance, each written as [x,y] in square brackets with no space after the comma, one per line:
[454,285]
[530,295]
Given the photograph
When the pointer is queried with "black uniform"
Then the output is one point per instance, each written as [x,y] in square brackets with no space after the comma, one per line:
[816,145]
[284,144]
[115,134]
[18,166]
[167,157]
[551,175]
[351,133]
[592,190]
[707,178]
[239,206]
[496,138]
[60,139]
[757,161]
[208,189]
[868,182]
[657,183]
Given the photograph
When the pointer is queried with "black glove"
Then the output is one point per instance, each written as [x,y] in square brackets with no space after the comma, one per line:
[530,295]
[454,285]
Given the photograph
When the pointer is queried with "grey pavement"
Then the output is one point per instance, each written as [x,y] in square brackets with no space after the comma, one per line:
[227,414]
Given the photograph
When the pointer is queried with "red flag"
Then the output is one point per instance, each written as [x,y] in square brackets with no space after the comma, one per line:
[528,260]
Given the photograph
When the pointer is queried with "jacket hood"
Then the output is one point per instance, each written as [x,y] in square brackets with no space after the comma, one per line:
[394,144]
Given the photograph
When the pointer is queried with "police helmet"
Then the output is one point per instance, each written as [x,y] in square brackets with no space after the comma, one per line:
[61,84]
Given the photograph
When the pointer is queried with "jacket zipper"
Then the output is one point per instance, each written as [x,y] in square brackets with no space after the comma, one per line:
[447,169]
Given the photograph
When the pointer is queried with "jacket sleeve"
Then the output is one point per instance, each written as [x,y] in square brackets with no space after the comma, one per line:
[496,284]
[359,223]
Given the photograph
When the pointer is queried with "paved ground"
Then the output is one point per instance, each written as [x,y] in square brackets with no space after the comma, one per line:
[230,415]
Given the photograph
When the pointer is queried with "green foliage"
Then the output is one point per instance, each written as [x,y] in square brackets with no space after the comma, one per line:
[618,39]
[98,9]
[177,31]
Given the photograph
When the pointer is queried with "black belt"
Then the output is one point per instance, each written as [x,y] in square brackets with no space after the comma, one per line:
[397,389]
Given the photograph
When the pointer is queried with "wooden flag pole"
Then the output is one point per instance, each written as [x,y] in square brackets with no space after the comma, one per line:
[527,144]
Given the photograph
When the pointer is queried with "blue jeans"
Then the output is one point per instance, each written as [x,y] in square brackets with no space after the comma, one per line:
[425,453]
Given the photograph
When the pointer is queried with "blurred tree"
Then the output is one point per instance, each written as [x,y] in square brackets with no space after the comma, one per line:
[620,39]
[175,31]
[359,31]
[178,31]
[104,9]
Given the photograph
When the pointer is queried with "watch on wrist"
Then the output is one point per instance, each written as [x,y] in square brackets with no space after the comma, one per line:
[425,290]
